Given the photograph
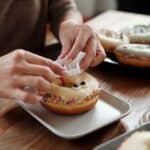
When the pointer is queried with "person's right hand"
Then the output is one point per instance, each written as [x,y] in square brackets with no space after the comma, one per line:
[20,69]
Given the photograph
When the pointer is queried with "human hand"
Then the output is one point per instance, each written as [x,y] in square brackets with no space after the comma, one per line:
[20,69]
[75,38]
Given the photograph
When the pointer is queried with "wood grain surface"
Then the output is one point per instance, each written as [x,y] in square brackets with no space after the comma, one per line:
[19,131]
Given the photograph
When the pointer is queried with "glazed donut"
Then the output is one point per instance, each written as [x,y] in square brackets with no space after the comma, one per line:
[137,141]
[110,39]
[137,55]
[138,34]
[78,94]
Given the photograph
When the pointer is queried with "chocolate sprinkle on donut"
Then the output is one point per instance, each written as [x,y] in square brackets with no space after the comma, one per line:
[61,100]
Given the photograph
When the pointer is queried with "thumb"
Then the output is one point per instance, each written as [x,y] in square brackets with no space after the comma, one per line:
[66,46]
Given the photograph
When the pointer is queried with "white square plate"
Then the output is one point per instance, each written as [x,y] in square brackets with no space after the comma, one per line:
[107,110]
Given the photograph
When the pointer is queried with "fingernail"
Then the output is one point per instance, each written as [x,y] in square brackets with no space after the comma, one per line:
[60,56]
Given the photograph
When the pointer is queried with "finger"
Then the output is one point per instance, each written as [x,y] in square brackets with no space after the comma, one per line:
[37,83]
[35,59]
[90,53]
[28,97]
[100,56]
[57,69]
[66,46]
[79,44]
[39,70]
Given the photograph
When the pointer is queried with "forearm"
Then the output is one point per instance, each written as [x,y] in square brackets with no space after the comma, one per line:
[61,11]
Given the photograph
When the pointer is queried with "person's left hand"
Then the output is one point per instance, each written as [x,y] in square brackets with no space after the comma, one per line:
[80,37]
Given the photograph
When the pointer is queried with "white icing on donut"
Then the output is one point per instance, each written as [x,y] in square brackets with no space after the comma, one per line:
[138,29]
[69,92]
[111,34]
[110,39]
[134,49]
[138,33]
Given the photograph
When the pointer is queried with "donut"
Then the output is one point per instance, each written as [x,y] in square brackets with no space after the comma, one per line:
[137,141]
[137,55]
[78,94]
[110,39]
[138,33]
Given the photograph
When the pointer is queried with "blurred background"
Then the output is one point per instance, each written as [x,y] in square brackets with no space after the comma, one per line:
[91,8]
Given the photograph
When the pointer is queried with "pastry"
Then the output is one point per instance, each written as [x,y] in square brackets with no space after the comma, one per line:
[133,54]
[110,39]
[78,94]
[138,33]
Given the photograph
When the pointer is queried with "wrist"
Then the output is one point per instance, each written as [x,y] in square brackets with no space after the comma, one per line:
[71,22]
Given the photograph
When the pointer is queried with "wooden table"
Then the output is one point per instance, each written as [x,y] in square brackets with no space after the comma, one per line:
[20,131]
